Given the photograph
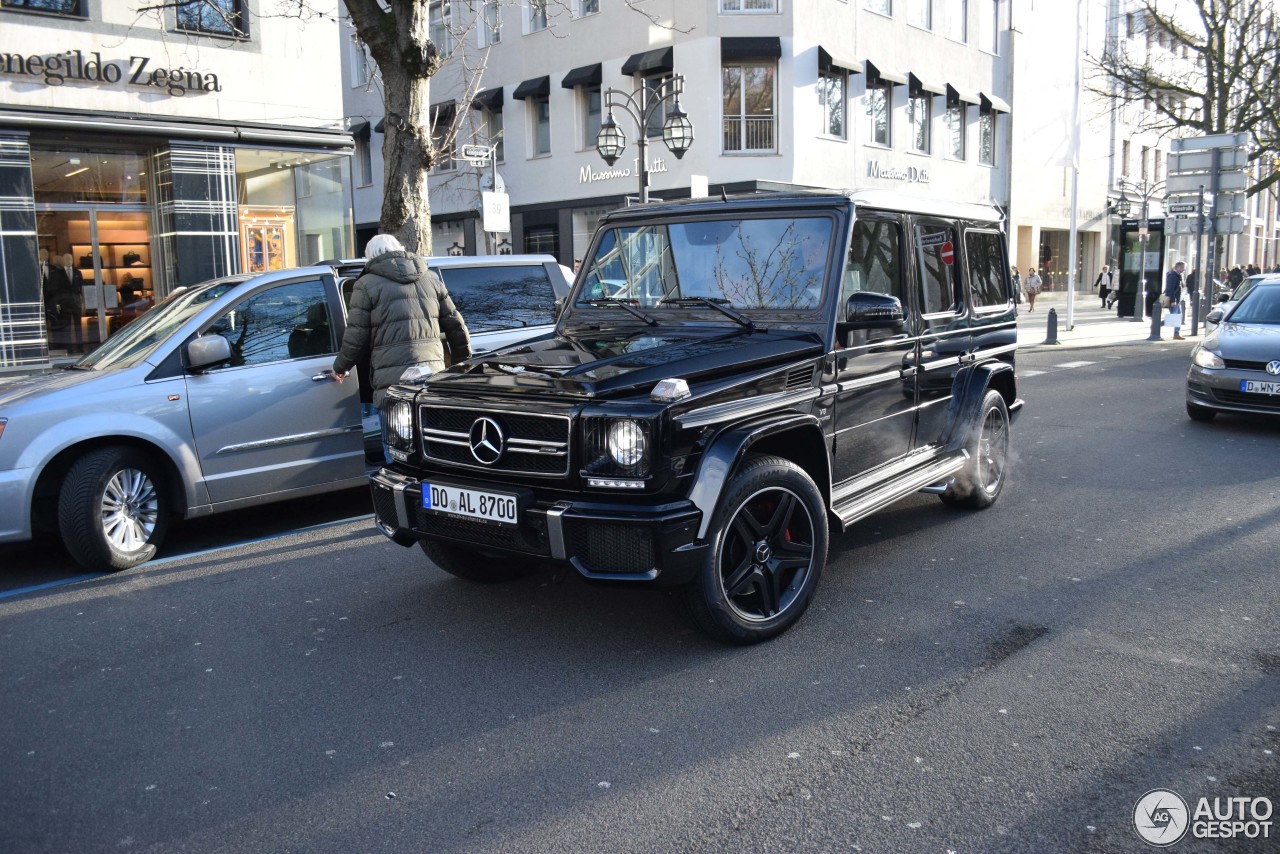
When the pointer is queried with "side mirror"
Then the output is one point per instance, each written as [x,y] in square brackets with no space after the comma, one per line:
[869,310]
[1224,297]
[1214,316]
[207,350]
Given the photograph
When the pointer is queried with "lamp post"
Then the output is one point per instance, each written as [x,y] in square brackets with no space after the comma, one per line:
[641,105]
[1146,191]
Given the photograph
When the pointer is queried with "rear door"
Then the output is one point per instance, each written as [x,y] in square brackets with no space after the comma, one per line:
[272,418]
[946,337]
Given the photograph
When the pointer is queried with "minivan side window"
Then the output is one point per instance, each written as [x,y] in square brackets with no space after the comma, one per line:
[286,322]
[983,252]
[875,261]
[935,256]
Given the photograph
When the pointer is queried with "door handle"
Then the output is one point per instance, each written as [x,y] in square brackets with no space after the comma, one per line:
[323,375]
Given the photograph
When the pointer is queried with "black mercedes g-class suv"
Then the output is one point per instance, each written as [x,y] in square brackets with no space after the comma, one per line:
[726,381]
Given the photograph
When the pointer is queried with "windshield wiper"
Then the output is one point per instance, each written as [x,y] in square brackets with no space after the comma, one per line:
[623,304]
[719,304]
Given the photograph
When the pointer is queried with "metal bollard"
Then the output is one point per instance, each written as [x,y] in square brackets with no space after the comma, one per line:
[1156,311]
[1051,334]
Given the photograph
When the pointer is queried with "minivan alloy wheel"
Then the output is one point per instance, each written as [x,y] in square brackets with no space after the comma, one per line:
[113,508]
[130,508]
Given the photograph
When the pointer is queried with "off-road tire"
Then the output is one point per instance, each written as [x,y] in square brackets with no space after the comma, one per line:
[981,481]
[767,548]
[475,565]
[113,509]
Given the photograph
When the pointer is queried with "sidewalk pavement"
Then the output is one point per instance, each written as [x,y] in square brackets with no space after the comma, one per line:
[1094,325]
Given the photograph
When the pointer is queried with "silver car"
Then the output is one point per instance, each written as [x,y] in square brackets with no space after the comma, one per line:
[219,398]
[1237,367]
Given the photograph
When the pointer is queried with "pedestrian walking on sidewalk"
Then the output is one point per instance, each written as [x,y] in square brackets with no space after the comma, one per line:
[1172,298]
[1103,283]
[1031,286]
[1017,283]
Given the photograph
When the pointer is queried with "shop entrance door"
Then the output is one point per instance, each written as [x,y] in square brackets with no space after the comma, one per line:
[95,268]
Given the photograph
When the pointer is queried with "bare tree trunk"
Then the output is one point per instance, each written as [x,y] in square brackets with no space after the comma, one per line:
[408,154]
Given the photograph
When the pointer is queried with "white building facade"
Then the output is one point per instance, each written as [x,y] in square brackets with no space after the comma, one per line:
[905,94]
[144,151]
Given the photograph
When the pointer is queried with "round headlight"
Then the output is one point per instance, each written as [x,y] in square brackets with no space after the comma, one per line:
[1208,359]
[626,443]
[400,420]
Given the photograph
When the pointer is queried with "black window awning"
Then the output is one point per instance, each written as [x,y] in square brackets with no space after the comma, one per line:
[992,104]
[828,61]
[587,75]
[360,129]
[961,96]
[538,87]
[489,99]
[751,47]
[650,62]
[920,86]
[877,75]
[381,126]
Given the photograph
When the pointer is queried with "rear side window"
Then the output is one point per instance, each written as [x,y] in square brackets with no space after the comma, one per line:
[493,298]
[985,254]
[936,256]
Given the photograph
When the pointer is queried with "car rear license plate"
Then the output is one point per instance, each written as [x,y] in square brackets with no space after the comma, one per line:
[489,506]
[1260,387]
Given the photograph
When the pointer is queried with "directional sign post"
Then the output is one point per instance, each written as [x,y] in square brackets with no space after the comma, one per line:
[476,155]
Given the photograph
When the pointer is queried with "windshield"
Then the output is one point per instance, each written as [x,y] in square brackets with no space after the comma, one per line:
[135,342]
[744,263]
[1260,305]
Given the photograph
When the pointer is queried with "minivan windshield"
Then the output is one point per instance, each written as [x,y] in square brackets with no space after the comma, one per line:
[137,340]
[765,263]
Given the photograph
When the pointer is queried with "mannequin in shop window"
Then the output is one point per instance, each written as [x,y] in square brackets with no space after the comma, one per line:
[63,290]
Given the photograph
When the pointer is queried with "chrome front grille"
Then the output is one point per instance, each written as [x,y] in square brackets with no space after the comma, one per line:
[530,444]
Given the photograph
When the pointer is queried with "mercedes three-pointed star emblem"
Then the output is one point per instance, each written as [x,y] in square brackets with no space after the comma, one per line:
[486,441]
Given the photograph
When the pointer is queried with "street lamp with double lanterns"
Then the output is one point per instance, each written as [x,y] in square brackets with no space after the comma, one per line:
[1146,191]
[641,106]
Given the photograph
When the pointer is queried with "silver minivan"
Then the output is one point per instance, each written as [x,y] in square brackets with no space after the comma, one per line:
[220,397]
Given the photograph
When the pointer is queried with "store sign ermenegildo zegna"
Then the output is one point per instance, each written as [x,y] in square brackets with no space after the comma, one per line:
[56,69]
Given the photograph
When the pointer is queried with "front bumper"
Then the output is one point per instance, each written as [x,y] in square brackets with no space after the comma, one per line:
[1220,389]
[16,487]
[604,541]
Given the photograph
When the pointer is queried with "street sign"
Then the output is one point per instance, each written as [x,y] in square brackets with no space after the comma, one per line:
[476,155]
[1202,161]
[1217,140]
[1183,207]
[1191,183]
[947,253]
[497,211]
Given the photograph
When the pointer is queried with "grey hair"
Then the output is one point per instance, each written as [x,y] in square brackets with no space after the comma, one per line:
[381,244]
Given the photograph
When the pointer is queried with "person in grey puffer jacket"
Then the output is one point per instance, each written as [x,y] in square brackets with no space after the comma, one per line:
[399,313]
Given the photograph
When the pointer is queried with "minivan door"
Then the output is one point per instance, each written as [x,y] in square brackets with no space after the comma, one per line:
[874,410]
[946,337]
[273,419]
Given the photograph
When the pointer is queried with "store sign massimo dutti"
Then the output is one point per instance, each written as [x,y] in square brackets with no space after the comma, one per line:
[56,69]
[910,174]
[587,175]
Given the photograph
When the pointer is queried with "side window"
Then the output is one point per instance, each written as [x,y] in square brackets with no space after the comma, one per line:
[875,261]
[985,256]
[935,255]
[287,322]
[500,297]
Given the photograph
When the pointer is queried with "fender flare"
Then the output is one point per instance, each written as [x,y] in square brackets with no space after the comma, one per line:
[727,450]
[966,402]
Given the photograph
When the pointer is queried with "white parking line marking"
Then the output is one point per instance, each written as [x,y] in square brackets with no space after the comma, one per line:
[1030,373]
[1075,364]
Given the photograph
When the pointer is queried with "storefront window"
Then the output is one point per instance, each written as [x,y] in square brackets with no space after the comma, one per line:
[85,176]
[295,208]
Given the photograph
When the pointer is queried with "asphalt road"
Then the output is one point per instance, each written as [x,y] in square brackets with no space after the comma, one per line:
[1009,680]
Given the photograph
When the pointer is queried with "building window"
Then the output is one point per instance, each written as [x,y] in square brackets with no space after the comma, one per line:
[989,26]
[884,7]
[491,29]
[1146,154]
[955,129]
[590,116]
[69,8]
[652,84]
[537,15]
[748,6]
[831,101]
[987,138]
[748,106]
[919,116]
[588,7]
[493,133]
[364,159]
[879,99]
[442,138]
[359,64]
[214,17]
[540,108]
[1124,158]
[441,35]
[542,240]
[920,13]
[958,20]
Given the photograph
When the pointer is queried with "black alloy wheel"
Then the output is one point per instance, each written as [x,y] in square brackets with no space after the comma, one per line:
[769,546]
[980,482]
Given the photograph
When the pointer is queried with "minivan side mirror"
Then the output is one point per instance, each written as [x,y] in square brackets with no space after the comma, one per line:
[207,350]
[1214,316]
[1224,297]
[870,310]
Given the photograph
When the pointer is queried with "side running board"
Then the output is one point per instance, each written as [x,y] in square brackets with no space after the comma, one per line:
[864,504]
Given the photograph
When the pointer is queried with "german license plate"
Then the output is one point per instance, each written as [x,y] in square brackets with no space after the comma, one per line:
[1260,387]
[489,506]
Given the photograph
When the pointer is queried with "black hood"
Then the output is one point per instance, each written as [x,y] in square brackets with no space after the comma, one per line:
[397,266]
[615,362]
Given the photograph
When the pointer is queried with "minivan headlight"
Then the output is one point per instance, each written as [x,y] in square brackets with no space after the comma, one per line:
[1208,359]
[626,443]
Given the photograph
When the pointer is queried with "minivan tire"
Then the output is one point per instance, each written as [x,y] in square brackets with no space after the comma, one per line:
[113,509]
[767,549]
